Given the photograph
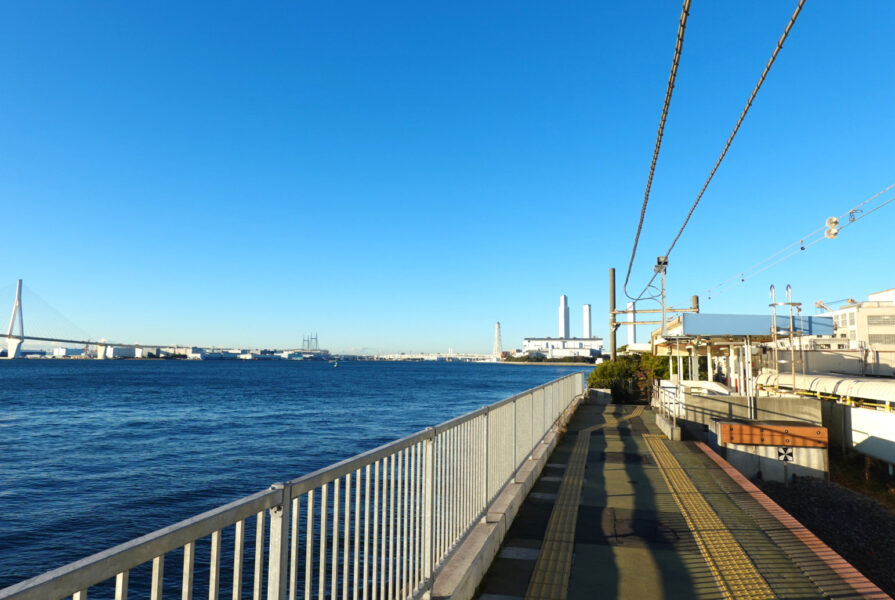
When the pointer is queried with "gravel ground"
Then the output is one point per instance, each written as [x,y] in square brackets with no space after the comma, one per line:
[859,528]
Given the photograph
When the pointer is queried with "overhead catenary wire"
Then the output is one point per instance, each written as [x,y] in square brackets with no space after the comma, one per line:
[678,48]
[764,74]
[803,244]
[736,128]
[800,242]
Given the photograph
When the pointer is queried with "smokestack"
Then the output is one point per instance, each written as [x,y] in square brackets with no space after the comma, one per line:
[586,332]
[563,317]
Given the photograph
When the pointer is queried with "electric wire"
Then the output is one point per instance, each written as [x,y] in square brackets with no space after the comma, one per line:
[736,128]
[804,243]
[678,48]
[801,241]
[764,74]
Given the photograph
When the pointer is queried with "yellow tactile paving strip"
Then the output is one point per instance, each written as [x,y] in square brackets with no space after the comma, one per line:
[550,580]
[734,572]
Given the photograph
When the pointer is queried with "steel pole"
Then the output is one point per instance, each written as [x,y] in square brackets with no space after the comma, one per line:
[612,313]
[663,304]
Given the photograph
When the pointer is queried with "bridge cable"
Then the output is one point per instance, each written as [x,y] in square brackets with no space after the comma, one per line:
[736,128]
[678,47]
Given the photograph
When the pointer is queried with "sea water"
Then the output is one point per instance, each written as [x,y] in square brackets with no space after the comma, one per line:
[95,453]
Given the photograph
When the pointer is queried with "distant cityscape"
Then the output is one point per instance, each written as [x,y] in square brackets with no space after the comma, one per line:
[587,347]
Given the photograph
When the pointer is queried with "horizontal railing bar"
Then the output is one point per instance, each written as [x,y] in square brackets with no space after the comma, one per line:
[500,403]
[311,481]
[108,563]
[305,483]
[471,415]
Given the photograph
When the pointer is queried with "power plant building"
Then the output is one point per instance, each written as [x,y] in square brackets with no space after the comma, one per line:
[566,346]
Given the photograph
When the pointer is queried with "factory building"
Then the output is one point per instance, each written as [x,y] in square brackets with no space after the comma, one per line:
[61,352]
[863,325]
[566,346]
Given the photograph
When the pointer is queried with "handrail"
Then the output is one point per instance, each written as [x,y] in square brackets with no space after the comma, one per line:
[377,525]
[103,565]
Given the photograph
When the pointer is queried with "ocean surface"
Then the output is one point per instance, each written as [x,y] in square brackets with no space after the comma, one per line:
[95,453]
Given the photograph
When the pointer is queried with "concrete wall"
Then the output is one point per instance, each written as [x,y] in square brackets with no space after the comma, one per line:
[790,408]
[753,461]
[703,409]
[865,430]
[849,362]
[666,426]
[598,396]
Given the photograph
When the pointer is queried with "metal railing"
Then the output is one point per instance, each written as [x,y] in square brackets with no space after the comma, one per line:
[377,526]
[667,399]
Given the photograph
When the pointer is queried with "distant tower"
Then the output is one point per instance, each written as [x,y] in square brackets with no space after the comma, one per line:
[586,331]
[563,317]
[497,349]
[14,343]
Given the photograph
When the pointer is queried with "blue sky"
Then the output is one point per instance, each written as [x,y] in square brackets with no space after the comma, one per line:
[398,176]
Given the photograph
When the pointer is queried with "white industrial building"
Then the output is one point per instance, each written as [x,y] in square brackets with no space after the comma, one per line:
[67,352]
[121,352]
[866,325]
[565,346]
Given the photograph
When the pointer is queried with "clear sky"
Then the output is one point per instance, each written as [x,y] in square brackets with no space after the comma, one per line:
[398,176]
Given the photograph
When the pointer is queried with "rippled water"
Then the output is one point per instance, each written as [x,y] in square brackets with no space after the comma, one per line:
[94,453]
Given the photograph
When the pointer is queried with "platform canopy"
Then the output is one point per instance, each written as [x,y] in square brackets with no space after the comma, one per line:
[700,329]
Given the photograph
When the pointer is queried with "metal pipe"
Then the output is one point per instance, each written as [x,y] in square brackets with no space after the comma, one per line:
[664,315]
[792,347]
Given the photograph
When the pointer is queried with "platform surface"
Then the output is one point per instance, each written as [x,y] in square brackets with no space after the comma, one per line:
[621,512]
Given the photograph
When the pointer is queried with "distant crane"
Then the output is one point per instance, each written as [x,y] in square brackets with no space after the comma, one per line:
[821,306]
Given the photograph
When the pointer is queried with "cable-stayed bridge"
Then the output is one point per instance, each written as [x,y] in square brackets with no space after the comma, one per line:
[15,335]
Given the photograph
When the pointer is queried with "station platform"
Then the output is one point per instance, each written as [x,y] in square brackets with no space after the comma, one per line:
[620,511]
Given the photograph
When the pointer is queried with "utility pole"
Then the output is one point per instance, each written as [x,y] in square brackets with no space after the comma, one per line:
[612,324]
[661,267]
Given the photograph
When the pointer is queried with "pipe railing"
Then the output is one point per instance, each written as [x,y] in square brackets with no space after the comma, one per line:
[666,399]
[377,526]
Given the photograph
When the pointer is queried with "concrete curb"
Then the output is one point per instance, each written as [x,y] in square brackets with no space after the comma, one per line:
[464,571]
[665,426]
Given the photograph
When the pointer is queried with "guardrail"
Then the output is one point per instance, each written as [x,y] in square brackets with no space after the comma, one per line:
[666,399]
[377,526]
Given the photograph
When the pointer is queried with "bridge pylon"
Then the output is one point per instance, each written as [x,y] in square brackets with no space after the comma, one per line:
[13,342]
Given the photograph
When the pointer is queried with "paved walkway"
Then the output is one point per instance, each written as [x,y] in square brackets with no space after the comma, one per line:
[621,512]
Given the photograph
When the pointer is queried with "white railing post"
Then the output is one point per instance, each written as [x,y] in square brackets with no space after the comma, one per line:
[531,424]
[487,458]
[428,524]
[278,554]
[515,437]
